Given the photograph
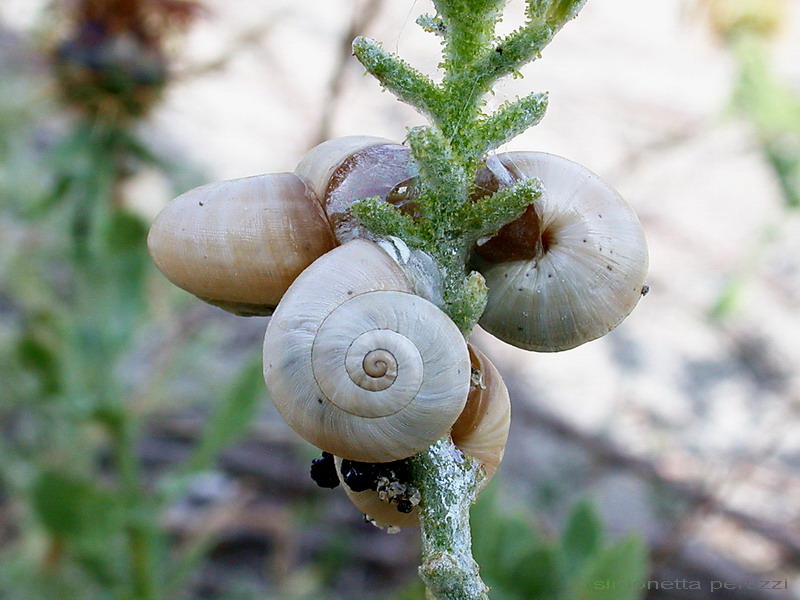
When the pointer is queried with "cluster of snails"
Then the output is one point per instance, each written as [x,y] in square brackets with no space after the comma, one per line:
[357,358]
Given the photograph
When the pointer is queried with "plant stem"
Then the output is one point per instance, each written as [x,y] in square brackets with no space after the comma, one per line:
[451,482]
[140,546]
[448,154]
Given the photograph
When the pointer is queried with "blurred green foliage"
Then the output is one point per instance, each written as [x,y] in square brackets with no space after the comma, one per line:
[78,296]
[80,306]
[520,561]
[771,105]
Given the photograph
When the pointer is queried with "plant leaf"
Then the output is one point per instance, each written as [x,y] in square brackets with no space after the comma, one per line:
[618,573]
[582,535]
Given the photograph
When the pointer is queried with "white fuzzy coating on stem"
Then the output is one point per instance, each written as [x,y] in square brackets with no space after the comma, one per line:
[449,482]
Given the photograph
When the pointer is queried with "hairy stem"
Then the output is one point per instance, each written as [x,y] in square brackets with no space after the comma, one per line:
[451,482]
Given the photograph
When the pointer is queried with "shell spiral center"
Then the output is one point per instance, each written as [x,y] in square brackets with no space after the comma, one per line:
[369,367]
[365,361]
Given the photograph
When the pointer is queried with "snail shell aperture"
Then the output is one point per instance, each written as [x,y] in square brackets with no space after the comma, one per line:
[574,271]
[358,365]
[352,168]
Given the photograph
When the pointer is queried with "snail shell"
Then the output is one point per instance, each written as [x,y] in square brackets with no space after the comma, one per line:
[571,268]
[481,431]
[239,244]
[358,365]
[351,168]
[381,514]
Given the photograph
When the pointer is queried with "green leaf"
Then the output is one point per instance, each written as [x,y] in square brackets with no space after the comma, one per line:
[385,219]
[232,416]
[41,360]
[618,573]
[511,119]
[514,560]
[488,215]
[536,576]
[561,11]
[69,506]
[400,78]
[582,535]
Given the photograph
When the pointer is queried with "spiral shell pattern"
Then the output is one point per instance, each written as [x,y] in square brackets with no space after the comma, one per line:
[358,365]
[481,431]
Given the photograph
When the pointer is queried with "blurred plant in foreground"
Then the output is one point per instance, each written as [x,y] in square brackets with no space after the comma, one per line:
[523,562]
[87,515]
[88,512]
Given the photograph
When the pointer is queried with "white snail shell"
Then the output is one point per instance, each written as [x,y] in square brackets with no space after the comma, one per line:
[358,365]
[481,431]
[352,168]
[239,244]
[587,269]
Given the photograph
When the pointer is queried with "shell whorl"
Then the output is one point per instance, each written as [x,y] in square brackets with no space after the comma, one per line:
[482,428]
[358,365]
[588,271]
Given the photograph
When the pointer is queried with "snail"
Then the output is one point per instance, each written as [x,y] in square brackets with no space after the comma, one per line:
[358,365]
[481,431]
[239,244]
[351,168]
[571,268]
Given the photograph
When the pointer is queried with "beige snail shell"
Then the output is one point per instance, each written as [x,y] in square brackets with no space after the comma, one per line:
[481,431]
[239,244]
[352,168]
[358,365]
[577,275]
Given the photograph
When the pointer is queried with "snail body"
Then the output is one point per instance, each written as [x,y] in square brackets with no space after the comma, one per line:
[239,244]
[571,268]
[358,365]
[481,431]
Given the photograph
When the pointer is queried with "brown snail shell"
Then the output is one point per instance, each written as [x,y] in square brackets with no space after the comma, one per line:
[352,168]
[239,244]
[481,431]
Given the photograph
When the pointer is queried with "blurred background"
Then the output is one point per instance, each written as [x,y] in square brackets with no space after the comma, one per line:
[139,456]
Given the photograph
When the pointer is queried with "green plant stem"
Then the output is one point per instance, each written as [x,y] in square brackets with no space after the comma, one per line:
[138,530]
